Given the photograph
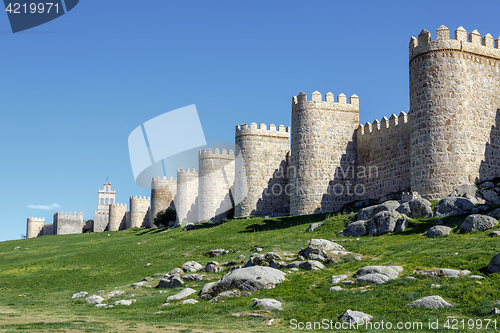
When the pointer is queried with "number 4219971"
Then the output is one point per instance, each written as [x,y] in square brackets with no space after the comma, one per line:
[32,8]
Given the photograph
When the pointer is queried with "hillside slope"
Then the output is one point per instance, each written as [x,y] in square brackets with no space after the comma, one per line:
[38,279]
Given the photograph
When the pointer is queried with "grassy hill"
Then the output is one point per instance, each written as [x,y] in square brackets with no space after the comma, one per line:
[38,280]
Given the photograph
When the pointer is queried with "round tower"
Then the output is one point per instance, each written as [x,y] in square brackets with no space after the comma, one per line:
[139,208]
[454,105]
[117,217]
[186,203]
[34,227]
[216,179]
[261,182]
[162,195]
[323,152]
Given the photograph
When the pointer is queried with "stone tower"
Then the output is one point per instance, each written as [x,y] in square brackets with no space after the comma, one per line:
[216,179]
[66,223]
[261,182]
[106,197]
[454,110]
[186,203]
[35,227]
[162,195]
[117,217]
[323,152]
[139,209]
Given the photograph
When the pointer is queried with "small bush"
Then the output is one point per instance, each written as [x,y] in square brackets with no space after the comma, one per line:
[165,218]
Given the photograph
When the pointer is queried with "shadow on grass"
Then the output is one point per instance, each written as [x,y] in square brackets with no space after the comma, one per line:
[421,226]
[284,222]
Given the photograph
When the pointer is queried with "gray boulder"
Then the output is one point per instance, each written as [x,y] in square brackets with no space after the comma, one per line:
[321,249]
[205,291]
[355,229]
[124,302]
[213,267]
[420,208]
[478,222]
[454,272]
[311,265]
[335,288]
[430,302]
[217,252]
[193,277]
[468,191]
[191,266]
[355,317]
[377,274]
[338,278]
[182,294]
[314,226]
[188,301]
[171,281]
[369,212]
[494,233]
[385,222]
[80,294]
[190,226]
[228,294]
[495,311]
[495,213]
[438,230]
[453,206]
[491,196]
[175,271]
[94,299]
[268,304]
[251,279]
[494,265]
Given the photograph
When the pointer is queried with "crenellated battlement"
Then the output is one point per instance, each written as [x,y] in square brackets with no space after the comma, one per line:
[36,219]
[262,130]
[162,182]
[119,205]
[68,214]
[393,123]
[187,171]
[300,102]
[216,153]
[138,198]
[472,43]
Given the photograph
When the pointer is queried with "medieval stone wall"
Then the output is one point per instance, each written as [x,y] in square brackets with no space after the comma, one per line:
[454,106]
[216,179]
[162,195]
[261,170]
[139,209]
[186,202]
[68,223]
[34,227]
[383,158]
[117,220]
[323,152]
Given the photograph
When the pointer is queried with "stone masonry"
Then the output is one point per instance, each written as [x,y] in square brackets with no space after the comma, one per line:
[262,170]
[215,182]
[450,137]
[162,195]
[68,223]
[186,203]
[34,227]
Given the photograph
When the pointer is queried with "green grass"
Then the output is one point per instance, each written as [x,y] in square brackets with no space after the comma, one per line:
[37,281]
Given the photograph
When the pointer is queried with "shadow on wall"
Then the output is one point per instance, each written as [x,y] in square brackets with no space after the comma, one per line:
[275,199]
[341,189]
[225,206]
[490,165]
[192,214]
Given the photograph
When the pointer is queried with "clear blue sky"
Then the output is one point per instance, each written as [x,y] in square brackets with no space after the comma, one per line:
[73,89]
